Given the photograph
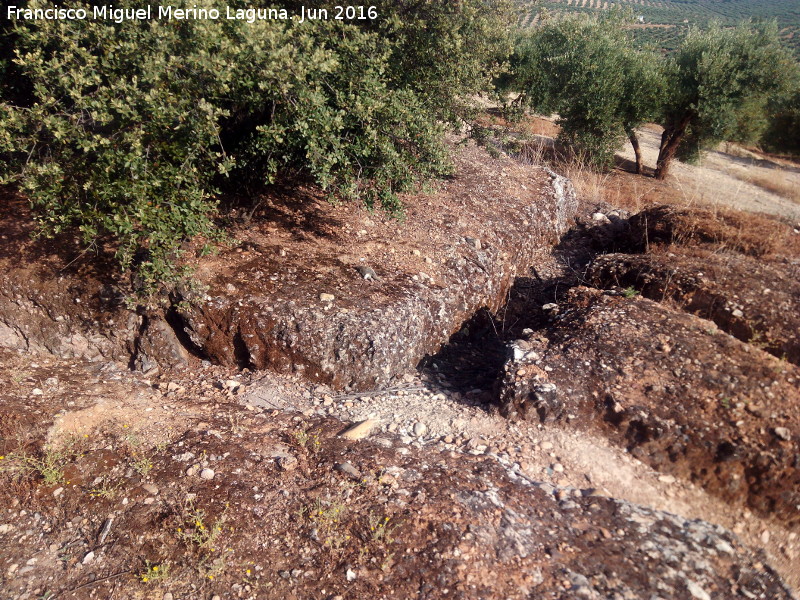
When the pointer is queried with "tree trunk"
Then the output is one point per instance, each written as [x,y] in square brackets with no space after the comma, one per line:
[668,149]
[670,140]
[637,151]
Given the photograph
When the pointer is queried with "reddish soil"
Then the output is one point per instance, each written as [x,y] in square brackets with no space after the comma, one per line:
[102,493]
[755,300]
[55,296]
[294,511]
[648,375]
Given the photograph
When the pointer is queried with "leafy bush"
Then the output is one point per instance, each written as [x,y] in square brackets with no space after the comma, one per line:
[783,130]
[131,129]
[446,50]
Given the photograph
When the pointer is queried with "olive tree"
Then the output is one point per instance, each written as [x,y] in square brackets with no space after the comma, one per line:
[713,75]
[586,70]
[783,129]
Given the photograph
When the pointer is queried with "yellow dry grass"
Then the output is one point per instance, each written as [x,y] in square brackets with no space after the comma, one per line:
[776,183]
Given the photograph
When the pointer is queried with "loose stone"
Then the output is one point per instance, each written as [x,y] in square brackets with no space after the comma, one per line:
[359,431]
[783,433]
[348,469]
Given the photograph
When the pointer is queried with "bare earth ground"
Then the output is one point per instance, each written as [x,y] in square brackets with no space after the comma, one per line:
[139,450]
[208,482]
[723,179]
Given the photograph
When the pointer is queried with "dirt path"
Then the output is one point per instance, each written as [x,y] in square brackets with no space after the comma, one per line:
[453,423]
[723,179]
[446,409]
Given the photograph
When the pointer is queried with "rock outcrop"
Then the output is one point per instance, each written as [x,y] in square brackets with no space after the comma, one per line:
[670,387]
[314,313]
[291,296]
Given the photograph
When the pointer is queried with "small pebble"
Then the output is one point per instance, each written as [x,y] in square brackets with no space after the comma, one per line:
[207,474]
[696,591]
[232,384]
[783,433]
[287,462]
[359,431]
[348,469]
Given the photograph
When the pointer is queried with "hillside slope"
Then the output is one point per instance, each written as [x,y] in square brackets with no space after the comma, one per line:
[663,22]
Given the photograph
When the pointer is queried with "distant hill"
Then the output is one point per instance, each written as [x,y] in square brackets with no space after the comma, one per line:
[662,22]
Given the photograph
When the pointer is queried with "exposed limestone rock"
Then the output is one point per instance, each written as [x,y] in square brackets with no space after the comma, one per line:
[159,346]
[646,375]
[386,326]
[308,310]
[523,390]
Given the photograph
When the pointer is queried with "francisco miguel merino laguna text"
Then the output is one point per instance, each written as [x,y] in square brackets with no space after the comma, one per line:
[170,13]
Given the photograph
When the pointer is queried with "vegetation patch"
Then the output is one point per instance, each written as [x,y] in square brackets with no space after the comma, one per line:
[131,130]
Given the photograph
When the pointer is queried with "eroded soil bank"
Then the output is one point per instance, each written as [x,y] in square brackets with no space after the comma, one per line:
[711,396]
[599,413]
[289,295]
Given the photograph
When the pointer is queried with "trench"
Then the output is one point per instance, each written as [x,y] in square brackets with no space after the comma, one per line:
[472,360]
[173,318]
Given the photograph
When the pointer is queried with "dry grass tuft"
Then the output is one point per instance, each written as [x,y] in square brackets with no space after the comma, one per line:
[748,233]
[777,184]
[590,186]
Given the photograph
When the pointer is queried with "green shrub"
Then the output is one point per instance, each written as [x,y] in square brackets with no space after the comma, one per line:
[129,130]
[783,130]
